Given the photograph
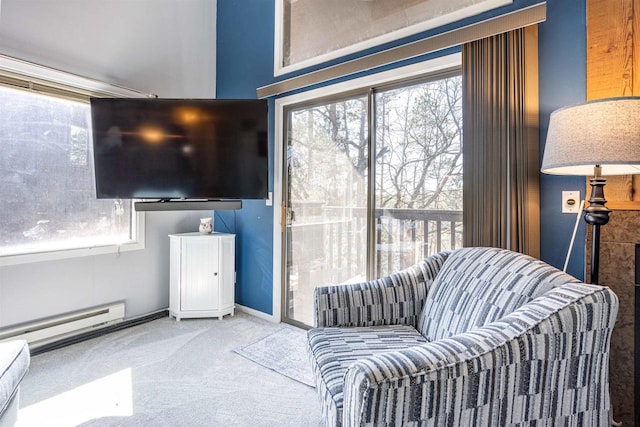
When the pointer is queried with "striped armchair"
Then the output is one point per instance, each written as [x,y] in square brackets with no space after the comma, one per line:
[474,337]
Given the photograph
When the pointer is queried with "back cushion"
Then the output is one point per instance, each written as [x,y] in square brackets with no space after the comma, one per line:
[477,286]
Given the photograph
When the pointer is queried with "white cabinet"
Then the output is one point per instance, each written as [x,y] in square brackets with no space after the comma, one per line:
[202,275]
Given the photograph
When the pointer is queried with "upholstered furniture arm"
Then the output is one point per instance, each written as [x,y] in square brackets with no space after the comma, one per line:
[394,299]
[548,360]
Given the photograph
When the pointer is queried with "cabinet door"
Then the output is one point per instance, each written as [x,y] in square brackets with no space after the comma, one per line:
[199,288]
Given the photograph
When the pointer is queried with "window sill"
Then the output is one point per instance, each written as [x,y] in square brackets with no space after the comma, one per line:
[70,253]
[104,249]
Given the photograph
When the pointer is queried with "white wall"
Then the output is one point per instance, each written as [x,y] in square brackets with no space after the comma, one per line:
[165,47]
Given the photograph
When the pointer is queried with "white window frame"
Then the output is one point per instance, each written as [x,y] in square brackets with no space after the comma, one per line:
[278,54]
[39,76]
[425,68]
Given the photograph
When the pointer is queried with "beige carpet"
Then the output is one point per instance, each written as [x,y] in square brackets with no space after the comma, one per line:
[166,373]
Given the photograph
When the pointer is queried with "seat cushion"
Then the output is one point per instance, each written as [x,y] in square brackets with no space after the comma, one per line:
[477,286]
[14,363]
[333,350]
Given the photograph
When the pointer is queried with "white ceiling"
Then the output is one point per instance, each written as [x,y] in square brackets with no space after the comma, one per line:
[165,47]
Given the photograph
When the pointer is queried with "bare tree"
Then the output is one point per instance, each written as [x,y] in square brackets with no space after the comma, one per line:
[421,130]
[418,144]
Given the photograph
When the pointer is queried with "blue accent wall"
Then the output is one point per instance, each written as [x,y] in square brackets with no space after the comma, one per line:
[562,62]
[245,62]
[244,56]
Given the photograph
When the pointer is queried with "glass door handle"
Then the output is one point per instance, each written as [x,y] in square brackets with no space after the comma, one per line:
[287,216]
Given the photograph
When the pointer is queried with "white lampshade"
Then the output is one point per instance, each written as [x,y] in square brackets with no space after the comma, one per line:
[605,132]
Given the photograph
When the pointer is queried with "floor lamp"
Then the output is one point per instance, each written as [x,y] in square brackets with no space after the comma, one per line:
[596,138]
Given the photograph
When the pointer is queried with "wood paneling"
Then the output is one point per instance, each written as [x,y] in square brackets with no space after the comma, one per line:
[613,70]
[609,48]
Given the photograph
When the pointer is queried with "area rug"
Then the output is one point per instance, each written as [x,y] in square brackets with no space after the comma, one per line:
[283,351]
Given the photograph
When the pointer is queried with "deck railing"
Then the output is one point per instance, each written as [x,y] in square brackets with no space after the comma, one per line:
[328,245]
[337,238]
[404,236]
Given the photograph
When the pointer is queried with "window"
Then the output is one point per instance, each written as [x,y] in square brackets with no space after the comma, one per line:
[309,32]
[47,191]
[372,183]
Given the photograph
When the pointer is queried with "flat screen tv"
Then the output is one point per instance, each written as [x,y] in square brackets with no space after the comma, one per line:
[167,149]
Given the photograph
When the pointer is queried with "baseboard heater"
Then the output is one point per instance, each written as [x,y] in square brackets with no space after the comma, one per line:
[55,328]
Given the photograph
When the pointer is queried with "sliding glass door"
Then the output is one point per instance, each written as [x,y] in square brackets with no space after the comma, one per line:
[373,183]
[326,200]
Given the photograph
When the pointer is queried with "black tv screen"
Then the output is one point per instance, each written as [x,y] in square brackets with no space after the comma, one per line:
[180,148]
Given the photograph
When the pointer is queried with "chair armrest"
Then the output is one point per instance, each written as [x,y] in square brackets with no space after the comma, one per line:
[394,299]
[545,361]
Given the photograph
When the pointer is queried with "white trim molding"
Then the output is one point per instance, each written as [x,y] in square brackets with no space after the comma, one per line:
[31,70]
[257,313]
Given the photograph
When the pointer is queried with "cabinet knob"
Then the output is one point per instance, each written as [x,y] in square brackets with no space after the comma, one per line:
[215,274]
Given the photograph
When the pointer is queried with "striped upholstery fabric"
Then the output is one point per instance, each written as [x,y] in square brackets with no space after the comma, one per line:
[395,299]
[333,350]
[479,285]
[545,363]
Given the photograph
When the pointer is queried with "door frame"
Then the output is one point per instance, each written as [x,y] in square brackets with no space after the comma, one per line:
[424,68]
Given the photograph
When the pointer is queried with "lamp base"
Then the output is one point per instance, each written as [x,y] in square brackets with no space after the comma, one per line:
[596,214]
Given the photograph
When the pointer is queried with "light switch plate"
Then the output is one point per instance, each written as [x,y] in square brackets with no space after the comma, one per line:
[570,201]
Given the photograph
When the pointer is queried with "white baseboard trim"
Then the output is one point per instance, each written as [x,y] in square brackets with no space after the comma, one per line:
[257,313]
